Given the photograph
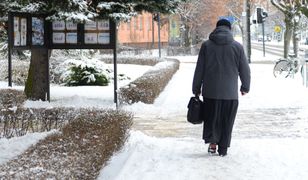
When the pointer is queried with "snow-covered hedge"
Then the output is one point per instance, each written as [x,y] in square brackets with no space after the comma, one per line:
[19,71]
[140,60]
[10,98]
[146,88]
[78,151]
[18,121]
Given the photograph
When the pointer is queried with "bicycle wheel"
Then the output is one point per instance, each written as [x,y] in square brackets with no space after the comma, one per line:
[282,69]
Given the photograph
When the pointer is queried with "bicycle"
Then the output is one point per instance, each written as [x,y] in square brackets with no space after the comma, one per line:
[287,67]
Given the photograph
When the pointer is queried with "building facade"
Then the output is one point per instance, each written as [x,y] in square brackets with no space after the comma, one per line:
[142,31]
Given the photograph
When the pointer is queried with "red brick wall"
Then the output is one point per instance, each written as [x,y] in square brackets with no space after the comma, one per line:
[138,31]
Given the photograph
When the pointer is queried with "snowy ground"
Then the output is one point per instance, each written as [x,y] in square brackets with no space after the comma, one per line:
[9,148]
[270,139]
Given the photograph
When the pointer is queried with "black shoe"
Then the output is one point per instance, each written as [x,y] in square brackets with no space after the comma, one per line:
[222,151]
[222,155]
[212,148]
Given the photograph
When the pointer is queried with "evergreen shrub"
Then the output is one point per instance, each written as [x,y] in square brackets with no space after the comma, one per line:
[81,76]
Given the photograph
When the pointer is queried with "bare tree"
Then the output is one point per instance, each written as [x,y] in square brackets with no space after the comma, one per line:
[198,18]
[292,12]
[188,12]
[235,8]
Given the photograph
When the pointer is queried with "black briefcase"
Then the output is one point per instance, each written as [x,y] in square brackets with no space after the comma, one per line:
[195,114]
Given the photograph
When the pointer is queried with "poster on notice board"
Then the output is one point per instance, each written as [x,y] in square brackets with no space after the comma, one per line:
[37,31]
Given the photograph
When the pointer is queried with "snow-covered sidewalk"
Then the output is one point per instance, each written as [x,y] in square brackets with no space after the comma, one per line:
[270,139]
[150,158]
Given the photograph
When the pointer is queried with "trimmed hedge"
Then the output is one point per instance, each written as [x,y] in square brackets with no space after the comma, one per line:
[10,98]
[19,71]
[79,151]
[150,61]
[146,88]
[19,121]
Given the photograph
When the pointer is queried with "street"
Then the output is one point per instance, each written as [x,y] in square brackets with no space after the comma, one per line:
[275,48]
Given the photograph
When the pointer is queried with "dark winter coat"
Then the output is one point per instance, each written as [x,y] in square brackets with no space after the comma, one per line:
[221,61]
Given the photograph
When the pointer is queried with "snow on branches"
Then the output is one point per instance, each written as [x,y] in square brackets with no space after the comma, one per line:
[81,10]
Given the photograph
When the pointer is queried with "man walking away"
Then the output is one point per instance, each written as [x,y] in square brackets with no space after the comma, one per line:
[220,62]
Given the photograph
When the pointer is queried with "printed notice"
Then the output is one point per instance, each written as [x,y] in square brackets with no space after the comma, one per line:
[58,25]
[16,32]
[23,32]
[90,25]
[71,38]
[103,38]
[58,38]
[90,38]
[16,38]
[23,25]
[103,25]
[16,24]
[71,25]
[37,31]
[23,38]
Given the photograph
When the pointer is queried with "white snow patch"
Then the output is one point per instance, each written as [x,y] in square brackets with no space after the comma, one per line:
[149,158]
[11,148]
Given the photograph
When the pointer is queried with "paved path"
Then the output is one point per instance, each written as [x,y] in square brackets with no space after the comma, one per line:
[273,120]
[265,123]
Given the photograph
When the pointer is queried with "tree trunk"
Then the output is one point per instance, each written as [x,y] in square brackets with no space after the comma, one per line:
[37,84]
[187,36]
[287,37]
[242,33]
[296,38]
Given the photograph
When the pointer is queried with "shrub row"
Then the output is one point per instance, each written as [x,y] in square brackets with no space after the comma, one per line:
[150,61]
[147,87]
[10,98]
[79,151]
[176,50]
[18,121]
[20,68]
[19,71]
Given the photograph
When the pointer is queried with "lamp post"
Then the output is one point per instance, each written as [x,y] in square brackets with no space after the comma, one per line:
[246,27]
[248,31]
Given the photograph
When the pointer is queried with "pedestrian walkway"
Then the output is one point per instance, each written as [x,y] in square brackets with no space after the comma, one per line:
[275,108]
[269,137]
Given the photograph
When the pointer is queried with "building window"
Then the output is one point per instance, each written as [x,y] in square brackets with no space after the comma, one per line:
[141,23]
[128,25]
[135,24]
[149,23]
